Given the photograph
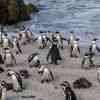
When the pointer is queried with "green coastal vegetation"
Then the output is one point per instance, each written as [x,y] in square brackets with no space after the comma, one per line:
[13,11]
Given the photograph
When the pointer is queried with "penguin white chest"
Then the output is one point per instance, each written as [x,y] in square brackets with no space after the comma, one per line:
[39,40]
[15,82]
[8,58]
[75,44]
[5,43]
[93,47]
[3,94]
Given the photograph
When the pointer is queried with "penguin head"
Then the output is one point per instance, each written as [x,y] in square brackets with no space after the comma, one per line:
[10,72]
[65,84]
[57,32]
[94,41]
[3,83]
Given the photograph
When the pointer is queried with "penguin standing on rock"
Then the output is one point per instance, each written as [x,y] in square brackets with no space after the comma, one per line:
[54,52]
[3,92]
[16,80]
[9,58]
[93,47]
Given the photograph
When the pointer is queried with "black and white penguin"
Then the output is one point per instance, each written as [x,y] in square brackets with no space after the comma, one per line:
[46,74]
[30,36]
[5,41]
[7,85]
[71,39]
[3,92]
[98,74]
[23,38]
[87,60]
[1,59]
[60,39]
[16,46]
[39,41]
[16,80]
[75,49]
[54,52]
[9,58]
[93,47]
[69,93]
[33,59]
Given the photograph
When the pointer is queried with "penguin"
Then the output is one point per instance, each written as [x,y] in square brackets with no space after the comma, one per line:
[75,49]
[33,60]
[69,93]
[54,52]
[30,36]
[8,86]
[3,92]
[1,59]
[87,59]
[71,39]
[46,74]
[93,47]
[5,41]
[39,41]
[16,46]
[23,38]
[98,74]
[44,41]
[60,39]
[16,80]
[9,58]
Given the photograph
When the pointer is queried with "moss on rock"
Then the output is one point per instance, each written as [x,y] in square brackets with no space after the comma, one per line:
[13,11]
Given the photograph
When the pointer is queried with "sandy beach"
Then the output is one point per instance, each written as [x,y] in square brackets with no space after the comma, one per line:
[69,69]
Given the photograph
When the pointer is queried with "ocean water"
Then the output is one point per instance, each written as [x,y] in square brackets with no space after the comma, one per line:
[81,16]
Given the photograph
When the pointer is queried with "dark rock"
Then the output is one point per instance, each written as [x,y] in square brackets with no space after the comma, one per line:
[1,70]
[82,83]
[24,73]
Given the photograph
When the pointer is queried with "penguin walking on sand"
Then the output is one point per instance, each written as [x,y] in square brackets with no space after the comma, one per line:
[3,92]
[39,41]
[93,47]
[71,39]
[75,49]
[16,80]
[54,52]
[16,46]
[23,38]
[9,58]
[46,74]
[87,60]
[69,93]
[60,39]
[6,42]
[1,59]
[29,35]
[98,74]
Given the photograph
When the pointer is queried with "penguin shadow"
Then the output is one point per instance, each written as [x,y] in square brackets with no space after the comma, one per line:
[2,69]
[30,96]
[12,98]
